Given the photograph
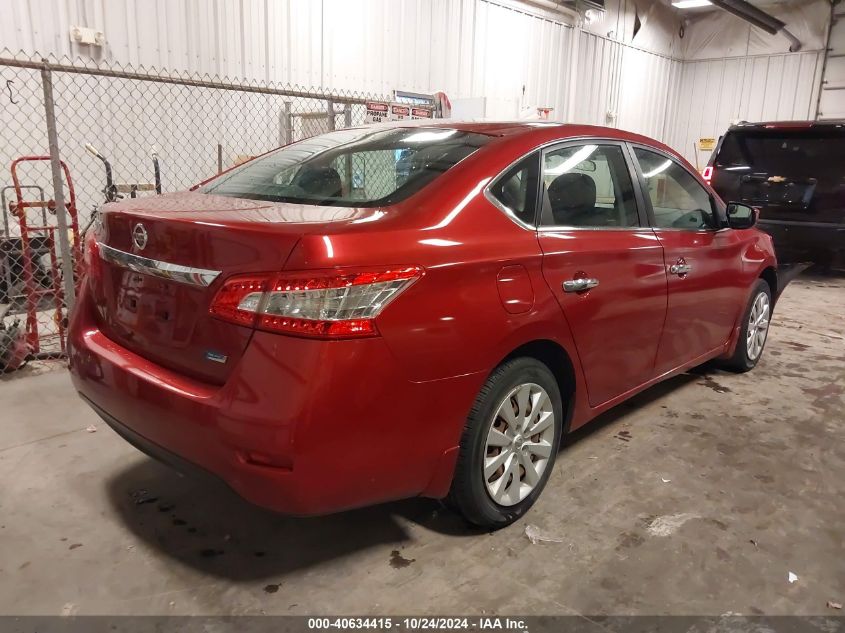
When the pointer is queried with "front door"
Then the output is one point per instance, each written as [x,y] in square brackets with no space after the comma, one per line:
[603,263]
[699,258]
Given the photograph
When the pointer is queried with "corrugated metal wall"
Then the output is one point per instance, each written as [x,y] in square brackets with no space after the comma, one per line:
[714,93]
[468,48]
[510,55]
[464,47]
[649,88]
[623,86]
[595,89]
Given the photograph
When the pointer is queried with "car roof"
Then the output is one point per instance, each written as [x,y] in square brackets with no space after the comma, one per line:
[520,128]
[788,125]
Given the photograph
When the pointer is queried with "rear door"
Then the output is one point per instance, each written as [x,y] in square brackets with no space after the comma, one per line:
[603,263]
[701,259]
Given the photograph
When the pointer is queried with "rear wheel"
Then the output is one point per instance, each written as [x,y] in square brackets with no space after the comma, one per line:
[755,329]
[509,444]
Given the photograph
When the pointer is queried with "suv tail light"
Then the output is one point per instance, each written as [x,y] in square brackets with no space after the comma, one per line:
[707,174]
[333,304]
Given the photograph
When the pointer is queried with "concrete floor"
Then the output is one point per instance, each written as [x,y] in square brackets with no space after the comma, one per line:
[697,497]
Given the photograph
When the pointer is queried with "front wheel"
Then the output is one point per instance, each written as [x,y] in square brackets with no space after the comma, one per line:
[755,329]
[509,444]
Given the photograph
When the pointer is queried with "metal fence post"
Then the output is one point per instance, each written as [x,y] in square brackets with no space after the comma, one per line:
[330,115]
[58,184]
[285,125]
[347,123]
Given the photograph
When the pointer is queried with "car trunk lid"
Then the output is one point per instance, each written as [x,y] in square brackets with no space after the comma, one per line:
[163,259]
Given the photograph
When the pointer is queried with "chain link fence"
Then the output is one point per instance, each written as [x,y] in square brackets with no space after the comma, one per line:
[120,132]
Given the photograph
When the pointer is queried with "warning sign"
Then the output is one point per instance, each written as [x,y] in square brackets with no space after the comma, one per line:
[377,112]
[422,113]
[399,112]
[707,144]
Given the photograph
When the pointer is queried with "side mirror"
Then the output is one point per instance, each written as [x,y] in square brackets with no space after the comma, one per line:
[742,216]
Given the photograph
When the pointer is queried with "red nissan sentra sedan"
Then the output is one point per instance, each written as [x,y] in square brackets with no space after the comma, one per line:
[380,313]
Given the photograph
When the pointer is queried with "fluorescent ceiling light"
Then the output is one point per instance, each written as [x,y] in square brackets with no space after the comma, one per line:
[691,4]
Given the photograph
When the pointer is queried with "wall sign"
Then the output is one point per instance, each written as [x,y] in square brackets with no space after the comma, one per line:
[399,112]
[420,112]
[377,111]
[380,111]
[707,144]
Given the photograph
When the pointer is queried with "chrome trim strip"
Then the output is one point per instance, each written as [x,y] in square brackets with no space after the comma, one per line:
[165,270]
[562,227]
[510,214]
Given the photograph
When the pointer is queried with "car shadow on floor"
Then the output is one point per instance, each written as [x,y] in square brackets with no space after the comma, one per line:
[206,526]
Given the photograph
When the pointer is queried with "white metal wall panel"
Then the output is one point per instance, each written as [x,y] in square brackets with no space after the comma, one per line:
[464,47]
[518,61]
[647,92]
[715,93]
[468,48]
[595,89]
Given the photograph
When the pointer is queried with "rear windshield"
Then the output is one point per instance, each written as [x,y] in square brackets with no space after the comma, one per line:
[792,154]
[350,167]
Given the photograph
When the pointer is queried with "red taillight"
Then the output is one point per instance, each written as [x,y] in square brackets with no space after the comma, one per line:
[321,304]
[239,298]
[707,174]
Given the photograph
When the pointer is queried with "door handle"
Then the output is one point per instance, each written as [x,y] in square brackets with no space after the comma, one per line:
[680,269]
[579,285]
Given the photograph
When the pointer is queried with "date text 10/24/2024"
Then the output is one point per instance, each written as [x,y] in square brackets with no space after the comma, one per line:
[419,623]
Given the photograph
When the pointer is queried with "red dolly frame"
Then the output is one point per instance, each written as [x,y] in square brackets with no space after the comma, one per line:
[33,293]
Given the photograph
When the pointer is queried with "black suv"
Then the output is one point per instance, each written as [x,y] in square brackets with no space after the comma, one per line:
[795,172]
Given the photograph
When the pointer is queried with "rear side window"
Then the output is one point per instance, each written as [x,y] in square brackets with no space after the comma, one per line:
[794,174]
[588,186]
[789,153]
[516,190]
[352,168]
[677,198]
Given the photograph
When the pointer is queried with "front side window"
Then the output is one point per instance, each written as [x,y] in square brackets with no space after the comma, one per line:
[677,198]
[351,168]
[588,186]
[516,189]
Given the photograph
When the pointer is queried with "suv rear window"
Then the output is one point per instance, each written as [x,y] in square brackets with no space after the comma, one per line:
[352,168]
[818,153]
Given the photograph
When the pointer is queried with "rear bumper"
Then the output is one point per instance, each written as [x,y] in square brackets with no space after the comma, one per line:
[805,241]
[153,450]
[301,426]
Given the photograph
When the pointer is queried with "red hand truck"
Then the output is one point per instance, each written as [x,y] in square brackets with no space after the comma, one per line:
[36,294]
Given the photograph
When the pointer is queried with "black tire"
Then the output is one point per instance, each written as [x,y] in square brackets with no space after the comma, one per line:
[740,362]
[468,494]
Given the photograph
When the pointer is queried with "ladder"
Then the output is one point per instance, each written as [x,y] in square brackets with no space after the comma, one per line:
[831,103]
